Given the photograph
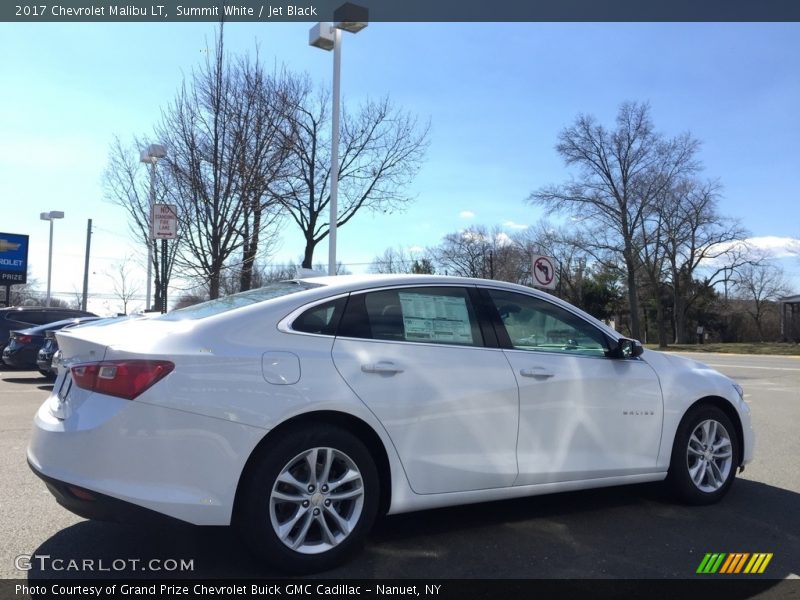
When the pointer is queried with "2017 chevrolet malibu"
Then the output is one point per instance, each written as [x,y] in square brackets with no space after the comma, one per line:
[301,410]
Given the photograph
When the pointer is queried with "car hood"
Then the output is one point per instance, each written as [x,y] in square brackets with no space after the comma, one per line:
[667,362]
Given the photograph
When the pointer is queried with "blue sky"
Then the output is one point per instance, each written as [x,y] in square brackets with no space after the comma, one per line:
[496,95]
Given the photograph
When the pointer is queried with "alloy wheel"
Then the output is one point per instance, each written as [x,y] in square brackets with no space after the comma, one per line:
[317,500]
[709,456]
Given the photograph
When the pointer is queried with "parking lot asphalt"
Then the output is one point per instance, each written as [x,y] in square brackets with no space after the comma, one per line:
[624,532]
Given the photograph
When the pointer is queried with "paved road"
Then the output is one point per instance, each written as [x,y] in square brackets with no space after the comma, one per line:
[621,532]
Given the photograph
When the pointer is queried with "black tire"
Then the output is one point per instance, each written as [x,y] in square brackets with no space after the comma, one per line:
[325,544]
[710,482]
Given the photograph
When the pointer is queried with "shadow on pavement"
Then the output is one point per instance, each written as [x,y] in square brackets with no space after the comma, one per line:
[624,532]
[25,380]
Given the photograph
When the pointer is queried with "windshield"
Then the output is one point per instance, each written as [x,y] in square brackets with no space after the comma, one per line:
[221,305]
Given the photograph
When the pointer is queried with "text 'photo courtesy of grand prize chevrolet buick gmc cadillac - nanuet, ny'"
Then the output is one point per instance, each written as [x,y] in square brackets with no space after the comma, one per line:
[300,411]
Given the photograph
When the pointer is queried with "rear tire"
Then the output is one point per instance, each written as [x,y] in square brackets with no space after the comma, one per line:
[705,456]
[310,500]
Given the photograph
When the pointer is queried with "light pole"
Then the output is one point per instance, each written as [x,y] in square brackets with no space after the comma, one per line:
[50,216]
[327,36]
[150,155]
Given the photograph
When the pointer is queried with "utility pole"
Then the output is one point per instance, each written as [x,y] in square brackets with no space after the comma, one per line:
[86,266]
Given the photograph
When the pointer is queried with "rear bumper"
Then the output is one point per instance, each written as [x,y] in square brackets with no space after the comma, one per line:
[99,507]
[23,359]
[122,452]
[44,360]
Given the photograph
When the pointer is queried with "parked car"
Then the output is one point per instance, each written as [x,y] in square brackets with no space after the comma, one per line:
[22,317]
[44,358]
[23,346]
[300,411]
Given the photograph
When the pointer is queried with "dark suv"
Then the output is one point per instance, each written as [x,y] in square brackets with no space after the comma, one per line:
[22,317]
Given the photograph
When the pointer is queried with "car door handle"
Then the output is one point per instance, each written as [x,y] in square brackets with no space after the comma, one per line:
[536,372]
[383,367]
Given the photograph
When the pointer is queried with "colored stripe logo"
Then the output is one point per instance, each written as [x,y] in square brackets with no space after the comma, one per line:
[735,563]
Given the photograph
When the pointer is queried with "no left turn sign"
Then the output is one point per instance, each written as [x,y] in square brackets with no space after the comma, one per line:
[544,271]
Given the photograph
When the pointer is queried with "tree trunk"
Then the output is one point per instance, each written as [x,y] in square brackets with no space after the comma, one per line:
[308,254]
[661,324]
[249,251]
[633,297]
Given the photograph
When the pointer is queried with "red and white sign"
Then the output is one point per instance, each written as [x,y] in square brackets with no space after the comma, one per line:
[543,269]
[164,221]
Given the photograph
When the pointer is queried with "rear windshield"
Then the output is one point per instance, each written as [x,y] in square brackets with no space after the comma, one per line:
[221,305]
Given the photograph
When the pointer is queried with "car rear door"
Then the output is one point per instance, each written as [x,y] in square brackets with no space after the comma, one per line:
[419,359]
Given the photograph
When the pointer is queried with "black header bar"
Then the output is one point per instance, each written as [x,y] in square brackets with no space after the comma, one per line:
[124,11]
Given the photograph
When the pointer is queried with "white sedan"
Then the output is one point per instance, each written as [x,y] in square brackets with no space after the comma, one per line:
[301,410]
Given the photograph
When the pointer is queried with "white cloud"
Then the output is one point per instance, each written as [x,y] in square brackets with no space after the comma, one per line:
[471,235]
[466,214]
[772,246]
[502,239]
[513,225]
[777,247]
[416,249]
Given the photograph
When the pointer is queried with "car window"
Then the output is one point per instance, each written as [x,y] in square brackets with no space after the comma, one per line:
[538,325]
[441,315]
[226,303]
[321,319]
[33,317]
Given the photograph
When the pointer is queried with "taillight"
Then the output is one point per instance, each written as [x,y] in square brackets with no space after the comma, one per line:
[23,339]
[122,378]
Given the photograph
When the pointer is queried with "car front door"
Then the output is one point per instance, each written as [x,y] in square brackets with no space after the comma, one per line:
[583,415]
[417,357]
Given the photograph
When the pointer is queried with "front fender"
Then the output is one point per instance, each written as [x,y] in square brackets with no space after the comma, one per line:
[684,382]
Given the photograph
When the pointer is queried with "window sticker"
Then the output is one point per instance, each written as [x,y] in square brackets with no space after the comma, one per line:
[430,318]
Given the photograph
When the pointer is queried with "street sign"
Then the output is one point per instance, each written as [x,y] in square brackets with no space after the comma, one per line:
[13,259]
[543,270]
[164,222]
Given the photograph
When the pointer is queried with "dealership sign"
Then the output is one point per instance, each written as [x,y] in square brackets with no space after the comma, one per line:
[13,258]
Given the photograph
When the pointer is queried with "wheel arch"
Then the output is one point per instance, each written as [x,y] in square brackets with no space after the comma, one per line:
[730,411]
[345,421]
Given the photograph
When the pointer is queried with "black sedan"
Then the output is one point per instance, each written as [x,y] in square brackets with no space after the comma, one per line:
[24,345]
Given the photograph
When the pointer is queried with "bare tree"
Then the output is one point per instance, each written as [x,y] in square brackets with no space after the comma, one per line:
[124,286]
[225,149]
[225,132]
[280,272]
[760,283]
[697,239]
[127,184]
[393,260]
[621,174]
[381,151]
[24,294]
[261,133]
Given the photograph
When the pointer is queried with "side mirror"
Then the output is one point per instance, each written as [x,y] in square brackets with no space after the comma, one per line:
[626,348]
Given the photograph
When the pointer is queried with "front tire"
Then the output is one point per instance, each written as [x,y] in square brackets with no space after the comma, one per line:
[704,456]
[310,500]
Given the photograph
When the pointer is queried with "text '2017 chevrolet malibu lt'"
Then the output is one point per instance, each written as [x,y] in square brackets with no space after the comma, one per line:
[302,410]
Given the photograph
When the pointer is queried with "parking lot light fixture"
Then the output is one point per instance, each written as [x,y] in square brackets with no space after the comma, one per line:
[50,216]
[151,156]
[327,36]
